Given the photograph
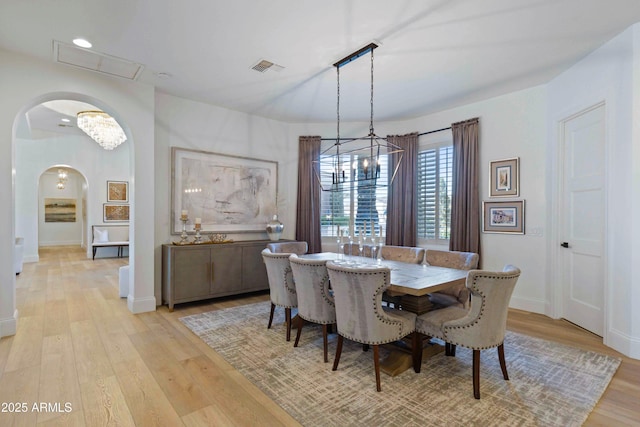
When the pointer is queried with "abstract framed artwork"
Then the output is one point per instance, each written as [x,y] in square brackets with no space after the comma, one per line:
[118,191]
[503,217]
[228,193]
[115,212]
[504,178]
[59,210]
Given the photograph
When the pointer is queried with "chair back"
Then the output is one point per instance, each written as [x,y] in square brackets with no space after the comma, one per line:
[281,286]
[452,259]
[315,302]
[457,295]
[485,324]
[354,249]
[403,254]
[358,298]
[298,248]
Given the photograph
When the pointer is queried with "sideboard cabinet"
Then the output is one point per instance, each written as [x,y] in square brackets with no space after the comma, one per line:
[198,272]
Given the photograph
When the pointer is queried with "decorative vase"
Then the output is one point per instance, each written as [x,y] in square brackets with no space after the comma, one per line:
[274,228]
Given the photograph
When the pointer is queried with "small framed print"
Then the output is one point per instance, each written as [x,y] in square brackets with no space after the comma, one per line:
[503,217]
[505,178]
[116,212]
[118,191]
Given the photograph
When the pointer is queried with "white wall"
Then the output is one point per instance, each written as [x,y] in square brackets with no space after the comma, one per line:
[512,125]
[25,82]
[33,157]
[194,125]
[610,74]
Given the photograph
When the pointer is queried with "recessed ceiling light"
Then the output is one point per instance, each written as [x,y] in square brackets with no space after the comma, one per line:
[65,120]
[82,43]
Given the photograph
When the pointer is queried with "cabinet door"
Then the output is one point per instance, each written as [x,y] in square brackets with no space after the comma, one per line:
[192,272]
[254,272]
[226,262]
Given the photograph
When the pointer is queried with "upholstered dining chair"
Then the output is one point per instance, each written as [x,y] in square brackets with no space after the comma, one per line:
[481,327]
[359,312]
[403,254]
[407,254]
[315,301]
[298,248]
[282,289]
[458,295]
[354,249]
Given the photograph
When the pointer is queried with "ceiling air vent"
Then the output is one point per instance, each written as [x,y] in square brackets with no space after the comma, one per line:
[95,61]
[264,65]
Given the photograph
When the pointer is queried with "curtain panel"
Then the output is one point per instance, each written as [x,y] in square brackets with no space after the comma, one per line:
[465,204]
[308,211]
[402,196]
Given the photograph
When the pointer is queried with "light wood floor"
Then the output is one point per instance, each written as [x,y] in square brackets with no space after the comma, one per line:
[91,362]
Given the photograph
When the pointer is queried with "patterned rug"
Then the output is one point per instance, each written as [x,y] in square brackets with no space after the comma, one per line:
[550,384]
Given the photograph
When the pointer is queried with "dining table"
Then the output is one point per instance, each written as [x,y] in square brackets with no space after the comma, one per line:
[410,285]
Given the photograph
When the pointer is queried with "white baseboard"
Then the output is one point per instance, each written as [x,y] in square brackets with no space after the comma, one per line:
[9,326]
[31,258]
[625,344]
[141,305]
[60,243]
[528,304]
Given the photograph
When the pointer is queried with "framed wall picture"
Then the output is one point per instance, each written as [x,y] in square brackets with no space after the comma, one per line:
[503,217]
[504,178]
[115,212]
[59,210]
[118,191]
[230,194]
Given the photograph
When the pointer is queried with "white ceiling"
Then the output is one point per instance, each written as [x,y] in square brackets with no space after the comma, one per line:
[433,54]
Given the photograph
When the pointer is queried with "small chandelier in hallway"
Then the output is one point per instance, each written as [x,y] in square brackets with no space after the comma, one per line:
[62,179]
[102,128]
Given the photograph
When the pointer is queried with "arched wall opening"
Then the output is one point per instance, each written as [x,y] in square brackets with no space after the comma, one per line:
[37,157]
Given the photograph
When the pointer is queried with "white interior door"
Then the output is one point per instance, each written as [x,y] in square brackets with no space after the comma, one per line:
[582,233]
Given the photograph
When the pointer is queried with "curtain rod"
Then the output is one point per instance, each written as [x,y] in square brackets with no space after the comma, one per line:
[420,134]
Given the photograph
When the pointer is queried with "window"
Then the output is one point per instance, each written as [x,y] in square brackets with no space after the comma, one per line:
[434,192]
[369,204]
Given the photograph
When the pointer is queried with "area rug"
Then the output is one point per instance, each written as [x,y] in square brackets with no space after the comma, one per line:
[550,384]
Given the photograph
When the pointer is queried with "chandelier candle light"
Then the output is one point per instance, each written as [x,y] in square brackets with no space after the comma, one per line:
[102,128]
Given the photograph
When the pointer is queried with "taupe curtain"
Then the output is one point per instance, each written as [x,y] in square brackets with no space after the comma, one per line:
[402,197]
[308,213]
[465,203]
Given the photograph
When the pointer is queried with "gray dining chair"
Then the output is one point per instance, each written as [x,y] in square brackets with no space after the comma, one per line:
[354,249]
[481,327]
[458,295]
[282,289]
[407,254]
[315,300]
[298,248]
[403,254]
[360,315]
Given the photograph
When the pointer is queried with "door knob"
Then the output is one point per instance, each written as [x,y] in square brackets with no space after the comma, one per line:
[564,244]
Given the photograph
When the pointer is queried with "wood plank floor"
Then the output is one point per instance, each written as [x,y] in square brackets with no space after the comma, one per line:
[80,352]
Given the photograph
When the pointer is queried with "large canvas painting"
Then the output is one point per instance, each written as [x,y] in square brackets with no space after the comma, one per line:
[59,210]
[228,193]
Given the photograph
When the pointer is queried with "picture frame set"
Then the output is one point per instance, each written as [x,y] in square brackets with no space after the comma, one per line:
[117,207]
[504,216]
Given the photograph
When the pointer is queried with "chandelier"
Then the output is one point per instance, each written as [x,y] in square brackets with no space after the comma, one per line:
[102,128]
[357,161]
[62,179]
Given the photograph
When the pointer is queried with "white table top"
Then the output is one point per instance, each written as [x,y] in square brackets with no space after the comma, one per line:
[406,278]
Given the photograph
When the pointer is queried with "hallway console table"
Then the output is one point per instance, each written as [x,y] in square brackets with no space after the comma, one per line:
[203,271]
